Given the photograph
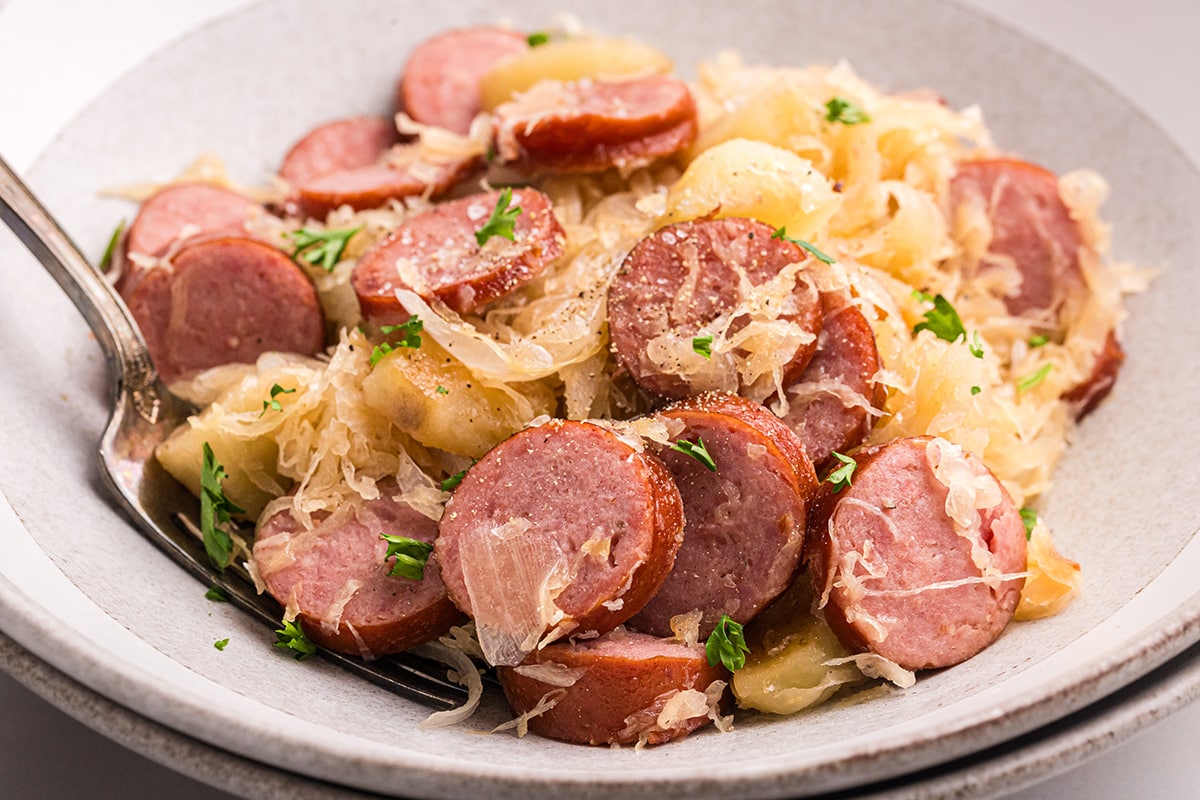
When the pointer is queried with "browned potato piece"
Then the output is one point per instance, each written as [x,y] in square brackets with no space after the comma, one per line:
[436,400]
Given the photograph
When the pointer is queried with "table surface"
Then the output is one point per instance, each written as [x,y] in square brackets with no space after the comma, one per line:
[1145,54]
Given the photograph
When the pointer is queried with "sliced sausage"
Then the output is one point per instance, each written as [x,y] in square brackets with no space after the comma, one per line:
[563,528]
[338,145]
[684,276]
[436,255]
[830,408]
[400,174]
[1032,229]
[745,521]
[1086,396]
[591,125]
[225,299]
[619,689]
[440,85]
[334,576]
[168,214]
[356,162]
[179,211]
[921,558]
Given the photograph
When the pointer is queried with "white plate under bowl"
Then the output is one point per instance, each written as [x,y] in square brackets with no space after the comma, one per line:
[80,589]
[992,772]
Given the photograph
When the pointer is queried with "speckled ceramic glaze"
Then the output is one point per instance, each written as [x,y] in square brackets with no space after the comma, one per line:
[81,590]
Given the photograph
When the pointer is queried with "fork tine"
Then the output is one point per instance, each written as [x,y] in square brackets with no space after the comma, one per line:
[145,413]
[155,510]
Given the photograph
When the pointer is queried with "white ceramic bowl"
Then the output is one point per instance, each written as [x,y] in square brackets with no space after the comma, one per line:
[80,589]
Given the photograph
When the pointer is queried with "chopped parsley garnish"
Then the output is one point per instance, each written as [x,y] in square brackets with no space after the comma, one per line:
[410,337]
[502,220]
[697,451]
[321,248]
[217,594]
[273,403]
[702,345]
[379,352]
[1029,518]
[975,390]
[215,509]
[840,477]
[410,331]
[291,637]
[727,645]
[976,345]
[411,556]
[535,39]
[847,112]
[221,644]
[942,321]
[1034,378]
[442,389]
[1037,340]
[781,233]
[453,481]
[106,259]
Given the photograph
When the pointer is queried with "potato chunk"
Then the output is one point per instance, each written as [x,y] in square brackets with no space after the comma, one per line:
[743,178]
[240,427]
[439,402]
[249,463]
[788,667]
[794,677]
[780,114]
[570,60]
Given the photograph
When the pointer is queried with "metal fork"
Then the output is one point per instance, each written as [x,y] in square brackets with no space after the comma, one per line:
[144,414]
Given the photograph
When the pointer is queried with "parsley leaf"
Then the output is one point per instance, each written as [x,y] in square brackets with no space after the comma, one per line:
[727,645]
[975,390]
[379,352]
[442,389]
[1037,340]
[411,337]
[453,481]
[781,233]
[847,112]
[502,220]
[273,404]
[1029,517]
[976,346]
[215,509]
[411,331]
[291,637]
[942,321]
[840,477]
[923,297]
[217,595]
[697,451]
[221,644]
[411,556]
[321,248]
[1034,378]
[703,345]
[111,249]
[535,39]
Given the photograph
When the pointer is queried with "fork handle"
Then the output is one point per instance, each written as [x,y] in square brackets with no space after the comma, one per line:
[105,312]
